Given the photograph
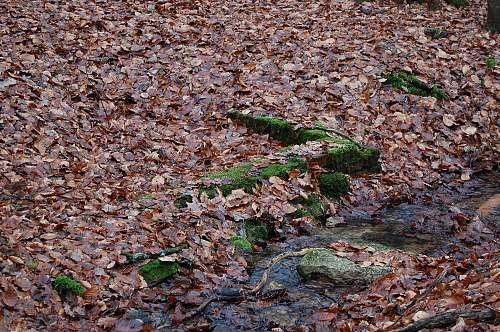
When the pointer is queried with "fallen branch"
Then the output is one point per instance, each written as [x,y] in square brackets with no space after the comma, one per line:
[234,295]
[449,318]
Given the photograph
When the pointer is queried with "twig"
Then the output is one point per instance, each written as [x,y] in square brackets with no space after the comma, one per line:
[422,296]
[448,318]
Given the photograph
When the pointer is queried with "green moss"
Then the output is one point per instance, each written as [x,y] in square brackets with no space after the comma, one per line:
[410,84]
[256,230]
[241,242]
[333,185]
[351,159]
[491,63]
[279,129]
[314,206]
[64,285]
[156,271]
[282,170]
[435,33]
[181,201]
[243,177]
[457,3]
[311,207]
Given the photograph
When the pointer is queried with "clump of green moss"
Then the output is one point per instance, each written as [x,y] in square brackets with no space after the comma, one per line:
[333,185]
[156,271]
[435,33]
[491,63]
[242,177]
[256,230]
[182,201]
[311,207]
[351,159]
[242,243]
[409,83]
[279,129]
[65,285]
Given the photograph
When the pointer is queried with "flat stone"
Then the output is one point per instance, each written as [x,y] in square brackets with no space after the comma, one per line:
[341,270]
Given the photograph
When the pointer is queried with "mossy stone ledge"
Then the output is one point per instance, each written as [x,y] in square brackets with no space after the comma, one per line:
[333,185]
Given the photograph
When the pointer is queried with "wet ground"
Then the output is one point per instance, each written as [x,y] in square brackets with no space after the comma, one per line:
[425,226]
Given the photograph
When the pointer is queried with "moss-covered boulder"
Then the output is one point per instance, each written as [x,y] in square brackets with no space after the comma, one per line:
[157,271]
[342,271]
[410,84]
[333,185]
[65,285]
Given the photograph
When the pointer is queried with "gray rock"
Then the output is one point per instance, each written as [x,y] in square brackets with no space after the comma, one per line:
[324,262]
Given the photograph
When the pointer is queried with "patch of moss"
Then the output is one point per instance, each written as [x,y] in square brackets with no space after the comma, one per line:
[279,129]
[410,84]
[351,159]
[311,207]
[435,33]
[181,201]
[491,63]
[242,243]
[256,230]
[242,177]
[65,285]
[156,271]
[458,3]
[333,185]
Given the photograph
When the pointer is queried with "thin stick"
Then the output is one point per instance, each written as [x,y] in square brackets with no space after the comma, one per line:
[341,134]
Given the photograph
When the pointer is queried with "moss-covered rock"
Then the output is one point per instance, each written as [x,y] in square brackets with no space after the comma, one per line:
[324,262]
[333,185]
[242,243]
[64,285]
[157,271]
[256,230]
[410,84]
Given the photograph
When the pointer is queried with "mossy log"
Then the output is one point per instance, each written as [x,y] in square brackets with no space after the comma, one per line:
[279,129]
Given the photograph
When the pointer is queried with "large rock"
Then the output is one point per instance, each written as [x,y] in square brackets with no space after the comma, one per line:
[324,262]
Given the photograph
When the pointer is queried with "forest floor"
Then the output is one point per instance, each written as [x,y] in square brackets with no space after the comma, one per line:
[112,109]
